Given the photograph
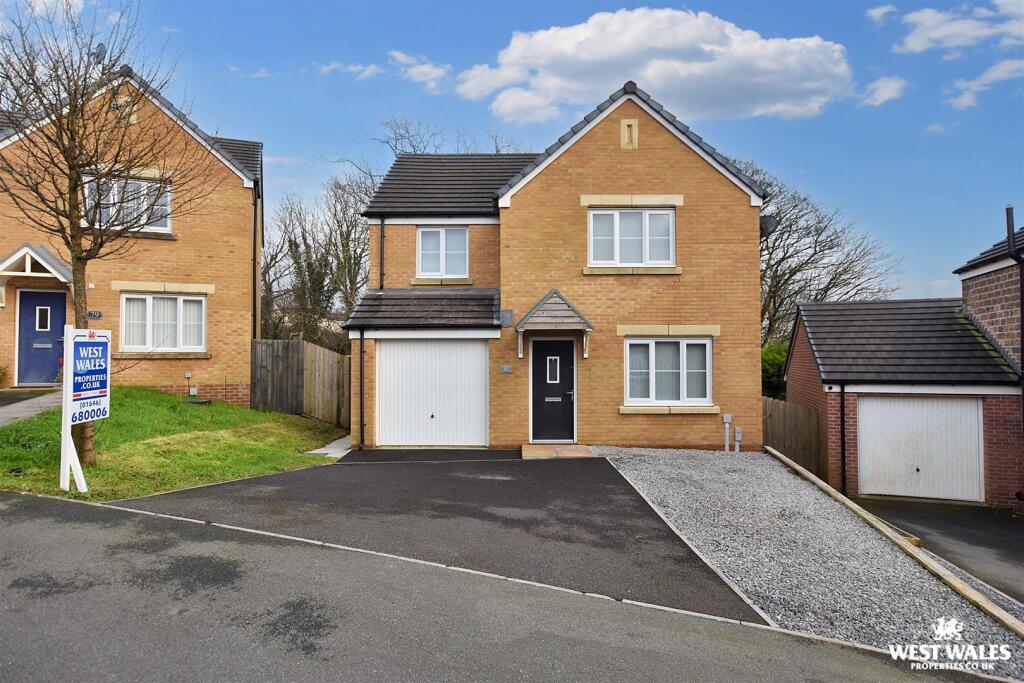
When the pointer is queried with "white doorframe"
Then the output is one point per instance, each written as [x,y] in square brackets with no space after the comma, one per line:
[575,390]
[17,326]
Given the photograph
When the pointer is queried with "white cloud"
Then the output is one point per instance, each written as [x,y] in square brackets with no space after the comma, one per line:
[419,70]
[884,89]
[232,68]
[938,128]
[261,72]
[170,29]
[1006,70]
[114,17]
[878,14]
[699,66]
[272,160]
[959,28]
[362,71]
[58,7]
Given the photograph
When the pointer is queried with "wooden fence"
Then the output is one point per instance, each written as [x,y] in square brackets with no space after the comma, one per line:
[793,431]
[293,376]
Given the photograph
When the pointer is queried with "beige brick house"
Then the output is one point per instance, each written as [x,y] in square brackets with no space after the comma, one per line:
[183,300]
[605,291]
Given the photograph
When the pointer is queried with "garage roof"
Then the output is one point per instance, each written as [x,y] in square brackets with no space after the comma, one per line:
[913,341]
[996,252]
[422,307]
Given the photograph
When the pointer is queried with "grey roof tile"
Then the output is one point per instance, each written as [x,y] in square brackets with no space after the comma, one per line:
[914,341]
[423,307]
[994,253]
[246,153]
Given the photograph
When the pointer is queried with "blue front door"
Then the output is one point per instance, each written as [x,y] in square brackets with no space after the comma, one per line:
[41,318]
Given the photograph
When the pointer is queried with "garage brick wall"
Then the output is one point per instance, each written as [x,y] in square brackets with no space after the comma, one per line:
[1004,451]
[544,237]
[370,392]
[400,255]
[803,387]
[212,246]
[993,300]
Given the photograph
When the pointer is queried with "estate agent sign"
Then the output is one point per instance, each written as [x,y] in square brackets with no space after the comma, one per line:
[86,393]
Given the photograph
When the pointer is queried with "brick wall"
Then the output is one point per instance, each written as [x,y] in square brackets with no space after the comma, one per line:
[212,246]
[400,255]
[834,466]
[803,387]
[993,300]
[1004,451]
[544,245]
[369,391]
[236,394]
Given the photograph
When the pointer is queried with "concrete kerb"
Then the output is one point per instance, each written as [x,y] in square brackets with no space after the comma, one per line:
[437,565]
[968,592]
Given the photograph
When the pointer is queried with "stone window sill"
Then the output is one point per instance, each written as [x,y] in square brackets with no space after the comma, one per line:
[440,281]
[161,355]
[633,270]
[669,410]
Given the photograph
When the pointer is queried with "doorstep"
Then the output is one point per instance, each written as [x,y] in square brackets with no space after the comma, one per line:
[555,450]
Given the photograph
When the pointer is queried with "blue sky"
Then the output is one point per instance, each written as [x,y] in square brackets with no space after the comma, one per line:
[907,116]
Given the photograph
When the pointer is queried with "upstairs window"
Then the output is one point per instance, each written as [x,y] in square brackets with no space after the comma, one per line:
[442,252]
[632,237]
[122,203]
[668,371]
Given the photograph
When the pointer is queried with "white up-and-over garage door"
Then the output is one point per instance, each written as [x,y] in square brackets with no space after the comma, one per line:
[921,446]
[431,392]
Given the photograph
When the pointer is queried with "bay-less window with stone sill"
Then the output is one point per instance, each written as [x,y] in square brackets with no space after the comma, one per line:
[122,203]
[632,237]
[163,322]
[442,251]
[667,371]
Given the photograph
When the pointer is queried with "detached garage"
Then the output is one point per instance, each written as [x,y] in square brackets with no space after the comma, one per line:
[424,354]
[912,401]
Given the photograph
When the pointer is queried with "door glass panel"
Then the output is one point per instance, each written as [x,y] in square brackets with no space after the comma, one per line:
[639,371]
[553,370]
[42,318]
[631,237]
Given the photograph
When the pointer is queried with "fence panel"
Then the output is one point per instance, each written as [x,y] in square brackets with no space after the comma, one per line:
[320,393]
[792,430]
[277,375]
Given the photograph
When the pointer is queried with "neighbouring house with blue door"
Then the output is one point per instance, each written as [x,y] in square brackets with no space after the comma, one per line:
[182,300]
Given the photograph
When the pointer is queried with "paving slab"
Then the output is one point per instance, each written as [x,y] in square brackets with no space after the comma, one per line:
[571,523]
[13,410]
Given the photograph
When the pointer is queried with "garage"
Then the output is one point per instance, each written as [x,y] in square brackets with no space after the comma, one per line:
[921,446]
[431,392]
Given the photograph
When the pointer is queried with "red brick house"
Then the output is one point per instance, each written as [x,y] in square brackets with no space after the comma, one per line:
[604,291]
[928,390]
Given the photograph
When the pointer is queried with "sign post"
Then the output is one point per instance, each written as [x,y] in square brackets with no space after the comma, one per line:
[86,394]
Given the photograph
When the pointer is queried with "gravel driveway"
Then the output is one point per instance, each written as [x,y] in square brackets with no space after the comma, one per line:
[803,558]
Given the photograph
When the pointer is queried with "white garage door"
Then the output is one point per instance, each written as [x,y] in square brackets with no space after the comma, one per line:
[929,447]
[432,392]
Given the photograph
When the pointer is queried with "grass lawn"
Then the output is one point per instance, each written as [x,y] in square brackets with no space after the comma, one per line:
[152,442]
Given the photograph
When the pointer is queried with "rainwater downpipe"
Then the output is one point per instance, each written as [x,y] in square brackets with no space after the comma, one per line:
[842,437]
[382,251]
[362,395]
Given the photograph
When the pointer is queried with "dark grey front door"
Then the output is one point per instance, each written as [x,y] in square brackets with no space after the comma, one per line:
[554,390]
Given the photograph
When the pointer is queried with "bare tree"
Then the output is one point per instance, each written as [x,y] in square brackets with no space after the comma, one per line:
[95,161]
[815,254]
[343,203]
[410,136]
[274,282]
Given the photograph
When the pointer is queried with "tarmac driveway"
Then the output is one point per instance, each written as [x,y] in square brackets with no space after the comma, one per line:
[569,523]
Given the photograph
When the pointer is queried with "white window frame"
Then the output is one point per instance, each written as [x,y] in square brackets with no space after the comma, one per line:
[558,369]
[683,399]
[647,213]
[148,346]
[48,312]
[442,229]
[115,188]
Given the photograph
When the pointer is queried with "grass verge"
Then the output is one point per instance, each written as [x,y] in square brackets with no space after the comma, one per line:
[152,442]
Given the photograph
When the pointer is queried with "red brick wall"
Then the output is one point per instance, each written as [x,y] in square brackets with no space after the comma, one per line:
[834,443]
[236,394]
[803,387]
[1004,451]
[993,300]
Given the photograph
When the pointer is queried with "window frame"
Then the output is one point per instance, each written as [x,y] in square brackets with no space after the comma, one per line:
[683,342]
[115,188]
[646,212]
[180,306]
[442,230]
[48,319]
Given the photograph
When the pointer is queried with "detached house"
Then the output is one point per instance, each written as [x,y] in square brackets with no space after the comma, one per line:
[182,302]
[918,398]
[605,291]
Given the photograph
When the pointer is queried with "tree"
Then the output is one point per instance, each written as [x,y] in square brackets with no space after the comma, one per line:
[95,161]
[274,280]
[814,254]
[343,203]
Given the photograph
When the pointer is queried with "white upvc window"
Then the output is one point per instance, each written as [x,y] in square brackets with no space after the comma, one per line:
[668,371]
[632,237]
[442,252]
[163,322]
[122,203]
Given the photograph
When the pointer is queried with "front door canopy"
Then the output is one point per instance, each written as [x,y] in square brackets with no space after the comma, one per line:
[554,312]
[31,260]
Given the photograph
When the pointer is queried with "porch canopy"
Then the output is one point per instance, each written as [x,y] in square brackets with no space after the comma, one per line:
[31,260]
[554,312]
